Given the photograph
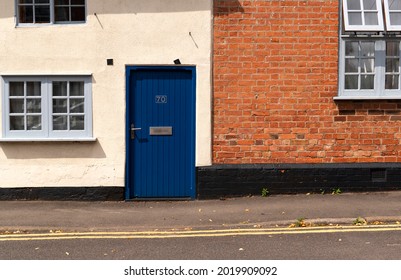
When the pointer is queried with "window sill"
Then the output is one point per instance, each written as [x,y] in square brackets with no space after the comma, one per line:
[47,24]
[5,140]
[389,97]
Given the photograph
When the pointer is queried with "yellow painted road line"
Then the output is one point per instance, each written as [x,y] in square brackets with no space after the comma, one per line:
[157,232]
[198,233]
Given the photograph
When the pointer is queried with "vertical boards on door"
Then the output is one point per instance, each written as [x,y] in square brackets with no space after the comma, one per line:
[160,132]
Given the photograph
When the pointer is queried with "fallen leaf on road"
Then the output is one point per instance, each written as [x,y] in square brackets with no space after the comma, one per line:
[241,249]
[67,253]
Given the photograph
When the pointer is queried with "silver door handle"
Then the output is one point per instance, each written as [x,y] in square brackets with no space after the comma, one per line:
[133,129]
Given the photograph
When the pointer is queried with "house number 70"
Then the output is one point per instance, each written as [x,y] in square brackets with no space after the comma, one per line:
[161,98]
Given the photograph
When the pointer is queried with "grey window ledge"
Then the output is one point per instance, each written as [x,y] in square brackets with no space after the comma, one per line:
[390,97]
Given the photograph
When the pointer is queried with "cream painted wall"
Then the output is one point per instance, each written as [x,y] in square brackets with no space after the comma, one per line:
[129,31]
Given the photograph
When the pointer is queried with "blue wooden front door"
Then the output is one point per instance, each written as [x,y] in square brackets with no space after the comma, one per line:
[160,132]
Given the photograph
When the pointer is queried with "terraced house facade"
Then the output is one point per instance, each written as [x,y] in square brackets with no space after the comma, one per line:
[195,99]
[95,91]
[306,96]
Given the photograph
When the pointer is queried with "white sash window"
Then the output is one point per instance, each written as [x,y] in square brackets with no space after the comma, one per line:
[47,107]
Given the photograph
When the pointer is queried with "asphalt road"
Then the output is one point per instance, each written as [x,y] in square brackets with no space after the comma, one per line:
[332,245]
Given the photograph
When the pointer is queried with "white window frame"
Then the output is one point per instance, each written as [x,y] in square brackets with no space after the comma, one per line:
[47,133]
[380,39]
[52,15]
[363,26]
[389,25]
[379,91]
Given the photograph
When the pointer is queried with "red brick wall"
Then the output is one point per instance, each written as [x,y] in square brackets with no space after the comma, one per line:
[275,76]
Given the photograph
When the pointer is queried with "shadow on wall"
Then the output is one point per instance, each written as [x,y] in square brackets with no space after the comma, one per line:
[37,150]
[226,7]
[149,6]
[379,110]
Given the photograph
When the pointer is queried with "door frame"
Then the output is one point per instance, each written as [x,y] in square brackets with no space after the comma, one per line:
[129,161]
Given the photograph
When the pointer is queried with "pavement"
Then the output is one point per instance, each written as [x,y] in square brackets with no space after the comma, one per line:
[230,213]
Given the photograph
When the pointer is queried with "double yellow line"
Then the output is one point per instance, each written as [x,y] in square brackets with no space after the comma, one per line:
[194,233]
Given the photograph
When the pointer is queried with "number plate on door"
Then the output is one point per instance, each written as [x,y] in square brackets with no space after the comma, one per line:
[160,130]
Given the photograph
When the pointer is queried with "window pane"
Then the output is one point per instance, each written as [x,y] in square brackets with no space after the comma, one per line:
[351,65]
[42,1]
[395,18]
[62,14]
[351,48]
[17,123]
[394,4]
[17,106]
[59,106]
[61,2]
[367,82]
[355,18]
[76,88]
[354,5]
[42,14]
[60,122]
[77,2]
[392,48]
[367,65]
[25,14]
[16,88]
[77,122]
[78,13]
[33,89]
[351,82]
[25,1]
[59,88]
[367,49]
[392,65]
[77,105]
[369,5]
[33,122]
[371,19]
[392,81]
[33,106]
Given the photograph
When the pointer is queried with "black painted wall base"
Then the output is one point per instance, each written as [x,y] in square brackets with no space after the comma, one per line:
[239,180]
[64,193]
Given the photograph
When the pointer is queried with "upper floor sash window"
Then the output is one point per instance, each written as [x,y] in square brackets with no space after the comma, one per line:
[50,11]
